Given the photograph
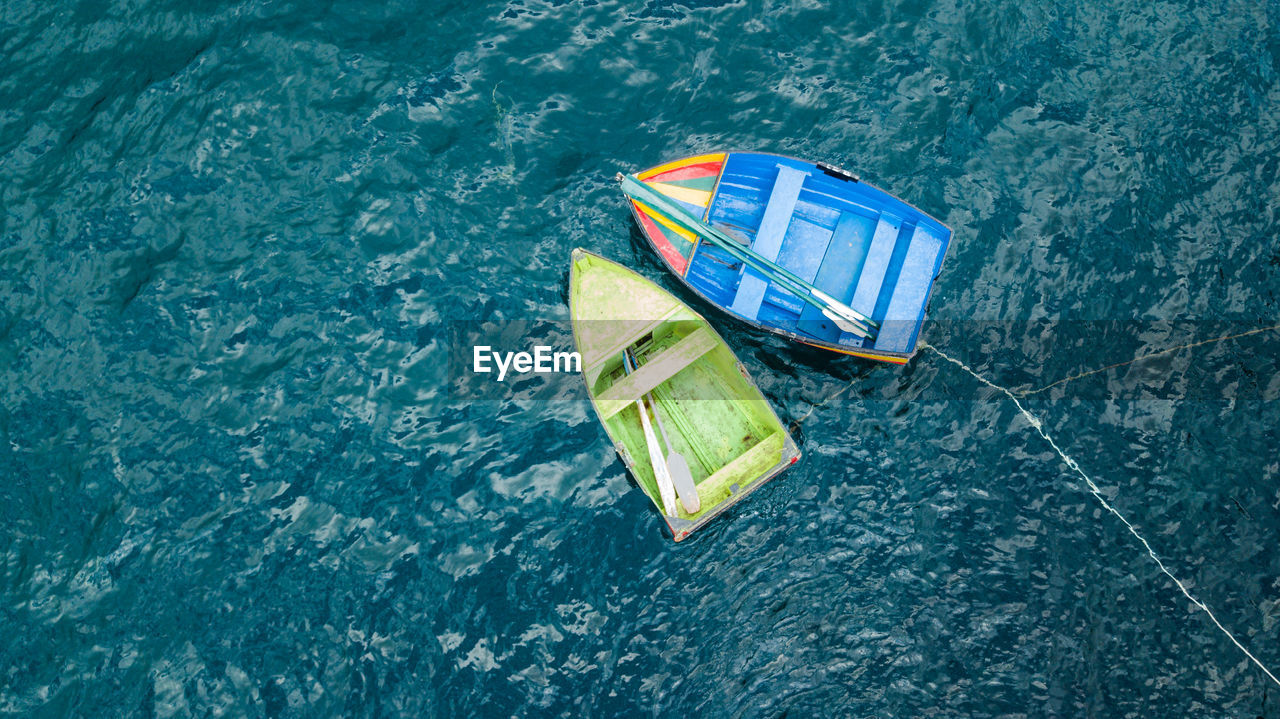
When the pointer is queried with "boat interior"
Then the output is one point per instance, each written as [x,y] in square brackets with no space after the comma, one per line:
[712,414]
[855,242]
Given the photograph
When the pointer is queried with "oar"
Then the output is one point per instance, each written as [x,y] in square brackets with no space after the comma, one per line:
[677,465]
[845,317]
[666,489]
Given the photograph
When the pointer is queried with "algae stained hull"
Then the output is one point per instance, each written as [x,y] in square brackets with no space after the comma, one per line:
[714,414]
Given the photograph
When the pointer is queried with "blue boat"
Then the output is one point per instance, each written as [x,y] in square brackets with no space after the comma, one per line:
[864,248]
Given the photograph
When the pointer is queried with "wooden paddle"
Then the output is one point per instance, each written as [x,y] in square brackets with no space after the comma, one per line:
[677,465]
[666,488]
[844,316]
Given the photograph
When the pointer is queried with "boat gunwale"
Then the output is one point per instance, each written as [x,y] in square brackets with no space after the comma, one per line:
[859,180]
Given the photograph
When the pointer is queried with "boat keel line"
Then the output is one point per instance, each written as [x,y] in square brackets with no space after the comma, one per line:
[1097,493]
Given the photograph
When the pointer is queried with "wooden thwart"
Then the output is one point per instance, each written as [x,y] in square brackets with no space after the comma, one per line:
[768,242]
[762,454]
[656,370]
[874,266]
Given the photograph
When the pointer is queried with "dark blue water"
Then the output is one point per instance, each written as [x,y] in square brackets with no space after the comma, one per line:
[234,481]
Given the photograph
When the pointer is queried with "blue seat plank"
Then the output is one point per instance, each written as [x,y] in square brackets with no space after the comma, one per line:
[802,252]
[845,255]
[840,265]
[777,214]
[805,246]
[876,264]
[768,241]
[905,312]
[750,294]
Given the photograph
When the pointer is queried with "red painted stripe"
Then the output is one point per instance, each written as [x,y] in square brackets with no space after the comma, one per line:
[659,240]
[691,172]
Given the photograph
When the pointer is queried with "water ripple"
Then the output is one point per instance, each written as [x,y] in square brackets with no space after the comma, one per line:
[237,482]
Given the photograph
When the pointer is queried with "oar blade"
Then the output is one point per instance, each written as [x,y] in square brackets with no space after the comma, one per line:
[661,475]
[845,310]
[666,489]
[682,478]
[844,324]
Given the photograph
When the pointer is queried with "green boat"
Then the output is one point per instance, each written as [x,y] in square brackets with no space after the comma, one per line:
[650,361]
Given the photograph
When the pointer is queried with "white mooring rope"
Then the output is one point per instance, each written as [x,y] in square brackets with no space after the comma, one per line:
[1097,493]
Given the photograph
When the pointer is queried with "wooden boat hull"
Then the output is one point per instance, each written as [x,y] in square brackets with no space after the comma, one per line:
[855,242]
[712,410]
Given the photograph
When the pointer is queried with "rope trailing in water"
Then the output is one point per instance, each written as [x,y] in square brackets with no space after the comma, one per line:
[1139,358]
[1097,493]
[1064,380]
[835,395]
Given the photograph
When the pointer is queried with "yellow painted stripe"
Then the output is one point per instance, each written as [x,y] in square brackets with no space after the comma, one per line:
[674,164]
[880,358]
[661,220]
[701,198]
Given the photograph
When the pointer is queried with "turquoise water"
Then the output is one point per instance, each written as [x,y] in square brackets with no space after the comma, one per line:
[235,481]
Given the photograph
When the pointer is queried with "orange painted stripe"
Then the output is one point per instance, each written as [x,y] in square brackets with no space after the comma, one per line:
[863,355]
[717,157]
